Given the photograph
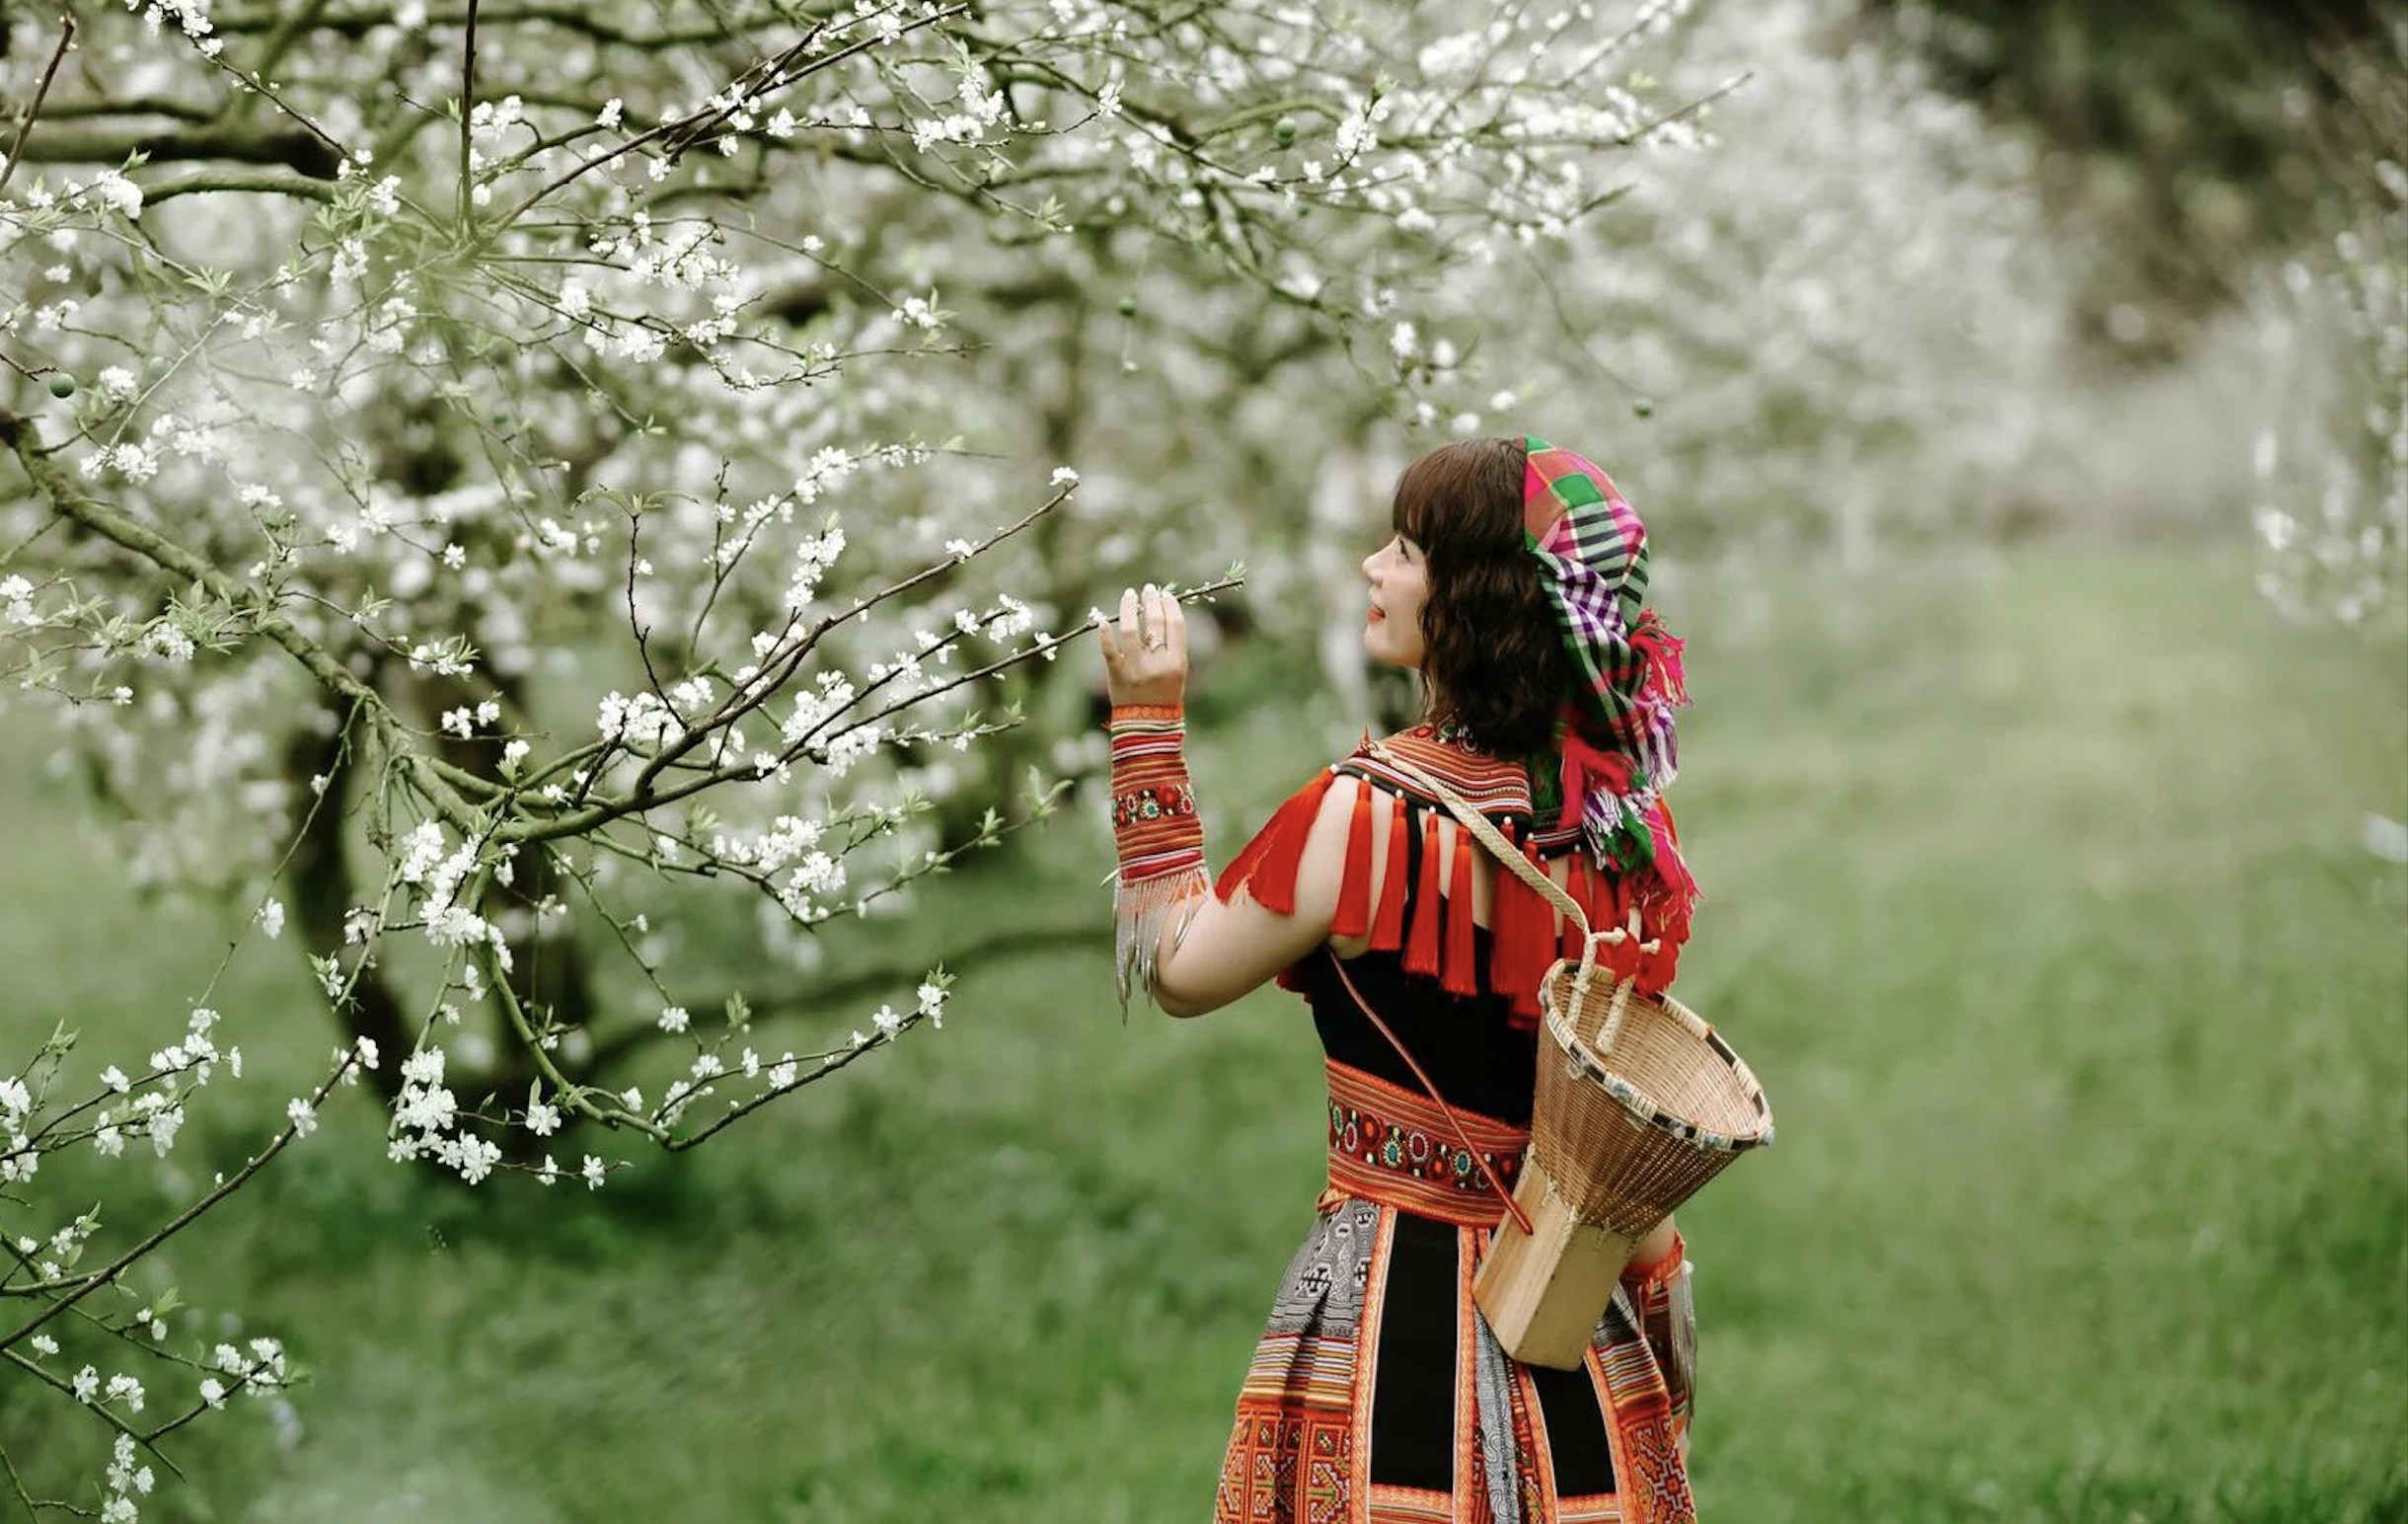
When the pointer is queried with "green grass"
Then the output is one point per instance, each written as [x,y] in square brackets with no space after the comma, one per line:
[2037,900]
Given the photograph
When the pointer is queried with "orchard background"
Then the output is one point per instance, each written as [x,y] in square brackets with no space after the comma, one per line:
[545,567]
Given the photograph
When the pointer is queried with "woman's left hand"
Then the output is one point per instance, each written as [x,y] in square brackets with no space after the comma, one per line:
[1145,651]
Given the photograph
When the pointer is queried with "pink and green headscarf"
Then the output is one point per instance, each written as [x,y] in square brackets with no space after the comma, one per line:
[1614,734]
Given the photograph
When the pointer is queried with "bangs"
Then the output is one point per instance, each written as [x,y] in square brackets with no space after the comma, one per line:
[1448,497]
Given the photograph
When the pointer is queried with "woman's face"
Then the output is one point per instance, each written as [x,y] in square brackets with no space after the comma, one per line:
[1400,576]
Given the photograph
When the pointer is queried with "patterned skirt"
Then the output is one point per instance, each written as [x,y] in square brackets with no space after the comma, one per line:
[1377,1394]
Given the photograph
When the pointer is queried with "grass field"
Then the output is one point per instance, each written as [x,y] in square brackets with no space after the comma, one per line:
[2037,899]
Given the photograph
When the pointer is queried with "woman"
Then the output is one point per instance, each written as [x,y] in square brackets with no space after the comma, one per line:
[1515,584]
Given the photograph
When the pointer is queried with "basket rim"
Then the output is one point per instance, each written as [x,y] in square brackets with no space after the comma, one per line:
[1640,1105]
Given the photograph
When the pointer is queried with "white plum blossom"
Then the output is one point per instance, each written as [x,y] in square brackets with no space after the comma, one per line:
[534,539]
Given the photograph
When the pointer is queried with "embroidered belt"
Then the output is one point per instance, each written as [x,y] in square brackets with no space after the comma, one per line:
[1395,1146]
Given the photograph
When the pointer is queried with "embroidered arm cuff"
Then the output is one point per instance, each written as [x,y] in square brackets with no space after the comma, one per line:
[1160,837]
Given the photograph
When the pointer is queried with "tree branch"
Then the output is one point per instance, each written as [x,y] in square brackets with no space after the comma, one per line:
[468,109]
[68,498]
[132,105]
[296,150]
[239,182]
[579,18]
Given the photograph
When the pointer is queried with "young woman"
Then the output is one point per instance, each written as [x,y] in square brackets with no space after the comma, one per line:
[1515,584]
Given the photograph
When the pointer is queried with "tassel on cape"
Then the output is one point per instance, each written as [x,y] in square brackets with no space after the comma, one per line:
[1266,867]
[1388,926]
[1353,916]
[1422,944]
[1435,931]
[1459,972]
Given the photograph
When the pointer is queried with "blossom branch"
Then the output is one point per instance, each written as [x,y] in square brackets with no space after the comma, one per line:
[84,1286]
[859,985]
[69,499]
[760,689]
[59,1385]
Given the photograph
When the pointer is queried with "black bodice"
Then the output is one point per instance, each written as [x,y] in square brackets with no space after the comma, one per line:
[1468,1048]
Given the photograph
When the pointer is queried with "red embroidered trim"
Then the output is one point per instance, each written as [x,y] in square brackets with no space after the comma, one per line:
[1390,1145]
[1155,802]
[1155,825]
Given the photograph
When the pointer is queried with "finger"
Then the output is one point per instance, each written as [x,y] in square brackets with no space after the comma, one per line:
[1106,638]
[1130,628]
[1175,616]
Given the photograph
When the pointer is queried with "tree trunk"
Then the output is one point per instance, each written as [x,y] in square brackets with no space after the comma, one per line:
[317,877]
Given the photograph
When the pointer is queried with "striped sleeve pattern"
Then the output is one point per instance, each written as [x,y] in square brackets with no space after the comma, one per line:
[1160,837]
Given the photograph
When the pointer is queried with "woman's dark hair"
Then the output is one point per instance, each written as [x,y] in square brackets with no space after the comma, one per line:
[1491,649]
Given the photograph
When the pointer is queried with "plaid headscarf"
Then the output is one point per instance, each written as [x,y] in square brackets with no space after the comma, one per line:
[1614,734]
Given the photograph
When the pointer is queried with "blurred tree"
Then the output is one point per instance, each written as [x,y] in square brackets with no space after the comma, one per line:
[2332,454]
[2171,123]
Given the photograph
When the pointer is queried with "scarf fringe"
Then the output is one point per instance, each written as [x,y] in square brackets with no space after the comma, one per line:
[1458,969]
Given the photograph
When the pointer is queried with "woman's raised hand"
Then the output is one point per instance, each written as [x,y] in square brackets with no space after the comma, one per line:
[1145,651]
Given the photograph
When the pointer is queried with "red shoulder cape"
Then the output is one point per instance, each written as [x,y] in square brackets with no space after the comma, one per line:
[1525,937]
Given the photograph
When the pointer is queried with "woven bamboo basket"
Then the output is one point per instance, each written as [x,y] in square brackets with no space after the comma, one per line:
[1639,1104]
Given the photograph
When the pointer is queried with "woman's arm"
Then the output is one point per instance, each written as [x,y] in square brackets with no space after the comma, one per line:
[1658,1281]
[1223,951]
[1189,952]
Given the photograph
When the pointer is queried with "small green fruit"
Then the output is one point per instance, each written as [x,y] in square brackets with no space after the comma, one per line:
[1283,132]
[1643,408]
[63,386]
[1128,306]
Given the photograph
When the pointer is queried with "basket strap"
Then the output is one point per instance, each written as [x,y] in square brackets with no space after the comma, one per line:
[1521,867]
[1521,1220]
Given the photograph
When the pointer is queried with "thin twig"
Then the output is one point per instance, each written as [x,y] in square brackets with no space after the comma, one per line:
[833,992]
[32,1510]
[593,816]
[66,39]
[288,30]
[467,100]
[690,127]
[782,668]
